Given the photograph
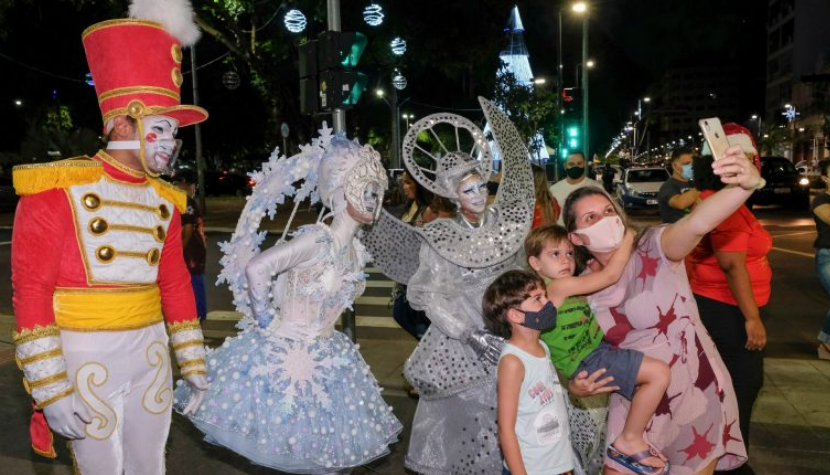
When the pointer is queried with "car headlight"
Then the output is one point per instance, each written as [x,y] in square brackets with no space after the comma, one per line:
[803,181]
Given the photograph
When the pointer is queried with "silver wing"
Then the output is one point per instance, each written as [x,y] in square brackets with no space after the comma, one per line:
[394,246]
[516,179]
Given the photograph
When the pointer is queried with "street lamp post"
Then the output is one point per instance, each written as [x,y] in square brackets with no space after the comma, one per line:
[582,8]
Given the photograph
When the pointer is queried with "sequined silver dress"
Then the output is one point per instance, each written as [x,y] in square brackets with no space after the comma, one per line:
[447,265]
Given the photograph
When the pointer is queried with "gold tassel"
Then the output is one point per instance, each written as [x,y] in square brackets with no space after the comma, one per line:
[170,193]
[36,178]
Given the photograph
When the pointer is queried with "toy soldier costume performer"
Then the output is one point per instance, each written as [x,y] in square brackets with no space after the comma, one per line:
[97,265]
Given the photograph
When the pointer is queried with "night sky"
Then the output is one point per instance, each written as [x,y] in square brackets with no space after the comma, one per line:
[632,41]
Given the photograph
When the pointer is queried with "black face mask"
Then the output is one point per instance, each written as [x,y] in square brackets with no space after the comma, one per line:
[575,172]
[544,319]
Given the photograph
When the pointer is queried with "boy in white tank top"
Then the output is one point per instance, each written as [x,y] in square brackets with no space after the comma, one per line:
[533,420]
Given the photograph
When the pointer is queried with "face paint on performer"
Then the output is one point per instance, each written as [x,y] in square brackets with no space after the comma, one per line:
[472,194]
[161,148]
[369,209]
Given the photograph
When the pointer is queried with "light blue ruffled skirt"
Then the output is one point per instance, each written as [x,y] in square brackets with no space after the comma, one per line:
[296,406]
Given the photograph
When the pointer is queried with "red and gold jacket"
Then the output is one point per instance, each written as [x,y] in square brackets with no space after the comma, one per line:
[96,246]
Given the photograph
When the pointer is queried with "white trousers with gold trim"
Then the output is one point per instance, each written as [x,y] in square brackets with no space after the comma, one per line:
[124,377]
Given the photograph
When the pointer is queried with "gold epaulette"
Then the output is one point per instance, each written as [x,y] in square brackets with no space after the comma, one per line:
[170,193]
[39,177]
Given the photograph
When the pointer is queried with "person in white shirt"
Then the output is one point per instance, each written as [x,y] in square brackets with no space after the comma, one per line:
[575,177]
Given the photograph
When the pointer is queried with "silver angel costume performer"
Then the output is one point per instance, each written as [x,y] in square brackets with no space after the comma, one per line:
[289,392]
[447,265]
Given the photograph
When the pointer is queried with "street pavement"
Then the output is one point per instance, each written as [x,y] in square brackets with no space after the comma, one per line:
[791,420]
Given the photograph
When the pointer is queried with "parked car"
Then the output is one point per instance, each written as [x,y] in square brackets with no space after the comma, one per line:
[784,184]
[639,187]
[810,171]
[227,183]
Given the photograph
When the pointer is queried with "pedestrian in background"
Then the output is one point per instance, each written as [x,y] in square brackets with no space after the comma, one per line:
[608,178]
[416,203]
[193,242]
[730,278]
[821,213]
[575,178]
[546,210]
[678,194]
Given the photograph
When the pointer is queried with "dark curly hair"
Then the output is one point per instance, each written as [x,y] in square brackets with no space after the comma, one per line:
[509,290]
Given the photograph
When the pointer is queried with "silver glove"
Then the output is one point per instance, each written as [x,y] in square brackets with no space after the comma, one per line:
[486,345]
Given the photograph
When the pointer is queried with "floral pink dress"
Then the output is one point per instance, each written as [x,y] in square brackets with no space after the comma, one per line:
[651,309]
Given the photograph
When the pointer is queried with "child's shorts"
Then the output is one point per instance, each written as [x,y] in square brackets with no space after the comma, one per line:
[620,363]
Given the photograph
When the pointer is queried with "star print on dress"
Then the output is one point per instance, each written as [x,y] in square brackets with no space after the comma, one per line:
[666,319]
[648,267]
[705,375]
[616,334]
[727,433]
[665,405]
[700,446]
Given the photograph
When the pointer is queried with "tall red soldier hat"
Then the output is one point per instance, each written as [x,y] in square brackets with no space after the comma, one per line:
[136,63]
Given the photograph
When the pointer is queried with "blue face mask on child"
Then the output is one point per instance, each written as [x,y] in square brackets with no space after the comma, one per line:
[688,172]
[542,320]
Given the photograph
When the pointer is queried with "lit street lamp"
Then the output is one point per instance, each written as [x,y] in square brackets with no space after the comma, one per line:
[539,81]
[407,118]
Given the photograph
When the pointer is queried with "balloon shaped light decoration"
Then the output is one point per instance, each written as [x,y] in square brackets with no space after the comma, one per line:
[295,21]
[373,14]
[398,46]
[399,81]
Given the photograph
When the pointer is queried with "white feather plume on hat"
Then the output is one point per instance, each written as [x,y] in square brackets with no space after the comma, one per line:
[176,16]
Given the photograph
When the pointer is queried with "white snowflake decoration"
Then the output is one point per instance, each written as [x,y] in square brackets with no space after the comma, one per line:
[273,183]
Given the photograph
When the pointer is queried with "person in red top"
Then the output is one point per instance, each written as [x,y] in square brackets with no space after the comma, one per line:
[730,277]
[546,210]
[97,266]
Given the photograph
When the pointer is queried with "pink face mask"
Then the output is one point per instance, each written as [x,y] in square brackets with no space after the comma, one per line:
[605,235]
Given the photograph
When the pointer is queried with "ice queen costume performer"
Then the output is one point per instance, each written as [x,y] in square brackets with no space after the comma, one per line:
[289,392]
[97,265]
[447,265]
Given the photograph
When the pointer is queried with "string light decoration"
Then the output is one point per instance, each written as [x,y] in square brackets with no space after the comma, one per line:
[398,46]
[295,21]
[230,80]
[373,14]
[399,81]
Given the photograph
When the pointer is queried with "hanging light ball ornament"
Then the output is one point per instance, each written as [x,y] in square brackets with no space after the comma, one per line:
[295,21]
[398,46]
[373,14]
[399,81]
[230,80]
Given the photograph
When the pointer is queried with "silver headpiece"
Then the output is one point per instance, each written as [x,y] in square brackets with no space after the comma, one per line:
[350,169]
[366,172]
[439,168]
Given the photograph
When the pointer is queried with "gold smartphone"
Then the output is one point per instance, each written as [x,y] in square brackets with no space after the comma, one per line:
[715,136]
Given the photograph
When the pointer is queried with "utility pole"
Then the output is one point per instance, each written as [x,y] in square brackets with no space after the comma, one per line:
[338,114]
[339,119]
[585,69]
[559,87]
[200,159]
[394,157]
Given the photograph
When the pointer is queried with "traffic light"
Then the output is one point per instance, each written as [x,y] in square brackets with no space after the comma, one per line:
[572,103]
[327,78]
[573,137]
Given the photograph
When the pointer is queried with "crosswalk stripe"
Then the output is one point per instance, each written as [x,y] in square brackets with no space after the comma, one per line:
[385,284]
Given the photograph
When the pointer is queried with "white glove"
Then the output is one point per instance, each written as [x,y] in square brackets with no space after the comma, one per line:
[198,385]
[68,417]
